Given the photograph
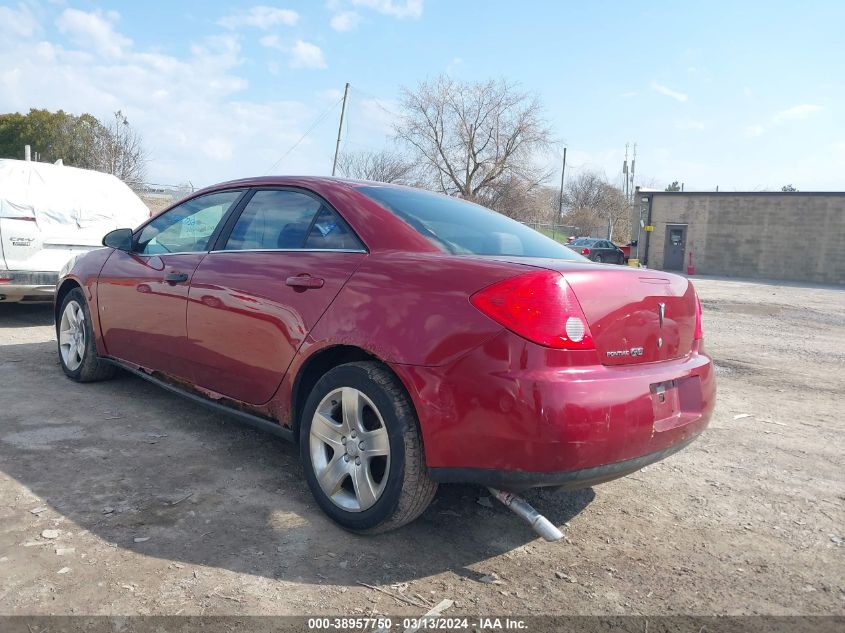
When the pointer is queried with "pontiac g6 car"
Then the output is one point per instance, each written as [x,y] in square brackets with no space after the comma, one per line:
[401,337]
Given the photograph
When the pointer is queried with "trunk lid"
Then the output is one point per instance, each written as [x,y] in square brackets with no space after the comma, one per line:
[623,309]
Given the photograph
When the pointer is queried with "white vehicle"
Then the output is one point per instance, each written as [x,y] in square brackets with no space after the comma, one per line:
[49,214]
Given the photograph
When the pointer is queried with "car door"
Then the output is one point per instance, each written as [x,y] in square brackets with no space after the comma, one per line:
[272,275]
[142,294]
[608,253]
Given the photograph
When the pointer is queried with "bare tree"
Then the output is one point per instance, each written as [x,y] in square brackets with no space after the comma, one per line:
[121,151]
[516,198]
[596,205]
[467,138]
[382,166]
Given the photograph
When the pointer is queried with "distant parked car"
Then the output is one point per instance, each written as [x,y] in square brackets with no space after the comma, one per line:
[50,214]
[598,250]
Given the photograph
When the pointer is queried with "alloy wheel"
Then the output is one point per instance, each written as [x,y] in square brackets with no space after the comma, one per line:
[350,449]
[72,335]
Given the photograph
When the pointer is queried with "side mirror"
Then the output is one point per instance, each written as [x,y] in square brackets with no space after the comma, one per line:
[119,239]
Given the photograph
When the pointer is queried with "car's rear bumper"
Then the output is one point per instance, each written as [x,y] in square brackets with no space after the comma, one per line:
[518,480]
[24,285]
[515,414]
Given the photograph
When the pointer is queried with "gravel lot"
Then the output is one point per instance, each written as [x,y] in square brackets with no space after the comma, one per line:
[119,498]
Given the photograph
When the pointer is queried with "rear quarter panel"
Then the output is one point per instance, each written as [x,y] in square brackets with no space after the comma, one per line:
[405,309]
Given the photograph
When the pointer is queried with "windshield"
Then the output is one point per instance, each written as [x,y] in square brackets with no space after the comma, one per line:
[463,228]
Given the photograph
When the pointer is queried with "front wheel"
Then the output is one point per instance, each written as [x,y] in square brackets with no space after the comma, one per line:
[77,350]
[360,446]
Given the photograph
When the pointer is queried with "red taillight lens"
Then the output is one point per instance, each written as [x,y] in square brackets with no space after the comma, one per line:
[585,251]
[699,332]
[539,306]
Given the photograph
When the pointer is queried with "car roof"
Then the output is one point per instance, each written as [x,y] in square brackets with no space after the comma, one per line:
[380,228]
[293,181]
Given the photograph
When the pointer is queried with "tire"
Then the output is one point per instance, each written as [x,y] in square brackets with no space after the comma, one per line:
[363,405]
[75,341]
[598,259]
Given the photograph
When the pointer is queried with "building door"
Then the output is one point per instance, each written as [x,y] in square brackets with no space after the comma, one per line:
[673,250]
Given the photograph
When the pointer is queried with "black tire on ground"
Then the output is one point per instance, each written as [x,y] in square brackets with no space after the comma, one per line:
[408,490]
[92,368]
[598,259]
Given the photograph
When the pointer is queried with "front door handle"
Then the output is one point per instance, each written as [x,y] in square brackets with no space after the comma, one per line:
[305,281]
[175,278]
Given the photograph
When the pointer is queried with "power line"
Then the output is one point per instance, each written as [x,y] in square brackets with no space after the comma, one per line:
[375,100]
[307,132]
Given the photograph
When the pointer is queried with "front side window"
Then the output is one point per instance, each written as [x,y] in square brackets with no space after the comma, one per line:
[289,220]
[186,228]
[462,228]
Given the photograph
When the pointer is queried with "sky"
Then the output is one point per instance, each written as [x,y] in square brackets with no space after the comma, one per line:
[740,95]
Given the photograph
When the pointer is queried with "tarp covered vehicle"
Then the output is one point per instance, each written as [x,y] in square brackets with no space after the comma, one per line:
[48,215]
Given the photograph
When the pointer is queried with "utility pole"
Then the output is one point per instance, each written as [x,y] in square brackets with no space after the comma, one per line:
[625,172]
[633,170]
[340,127]
[560,200]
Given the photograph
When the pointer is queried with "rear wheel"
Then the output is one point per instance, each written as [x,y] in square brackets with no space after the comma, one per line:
[361,449]
[77,351]
[598,259]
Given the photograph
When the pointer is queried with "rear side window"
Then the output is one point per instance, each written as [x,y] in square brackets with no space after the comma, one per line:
[330,232]
[273,220]
[463,228]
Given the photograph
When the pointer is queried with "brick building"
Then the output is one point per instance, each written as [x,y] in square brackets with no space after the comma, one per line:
[797,236]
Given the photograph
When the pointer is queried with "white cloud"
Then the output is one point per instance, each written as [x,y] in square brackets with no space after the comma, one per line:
[18,23]
[217,149]
[796,113]
[406,9]
[94,30]
[664,90]
[302,54]
[306,55]
[753,131]
[345,21]
[271,41]
[261,17]
[454,65]
[189,108]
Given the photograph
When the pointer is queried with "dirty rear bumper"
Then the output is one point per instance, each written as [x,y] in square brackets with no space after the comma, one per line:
[17,285]
[518,481]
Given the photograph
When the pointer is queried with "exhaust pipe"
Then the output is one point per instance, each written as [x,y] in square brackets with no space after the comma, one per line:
[524,510]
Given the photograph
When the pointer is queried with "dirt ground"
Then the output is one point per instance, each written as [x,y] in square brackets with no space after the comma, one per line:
[119,498]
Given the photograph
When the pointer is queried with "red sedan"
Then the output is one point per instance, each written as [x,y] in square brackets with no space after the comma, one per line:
[401,337]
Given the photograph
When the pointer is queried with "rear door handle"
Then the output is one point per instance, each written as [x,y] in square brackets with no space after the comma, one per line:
[305,281]
[174,278]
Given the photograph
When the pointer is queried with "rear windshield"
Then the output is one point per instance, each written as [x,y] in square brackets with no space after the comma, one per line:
[463,228]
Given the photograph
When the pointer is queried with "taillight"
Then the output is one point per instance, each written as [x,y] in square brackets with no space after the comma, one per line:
[698,333]
[539,306]
[585,251]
